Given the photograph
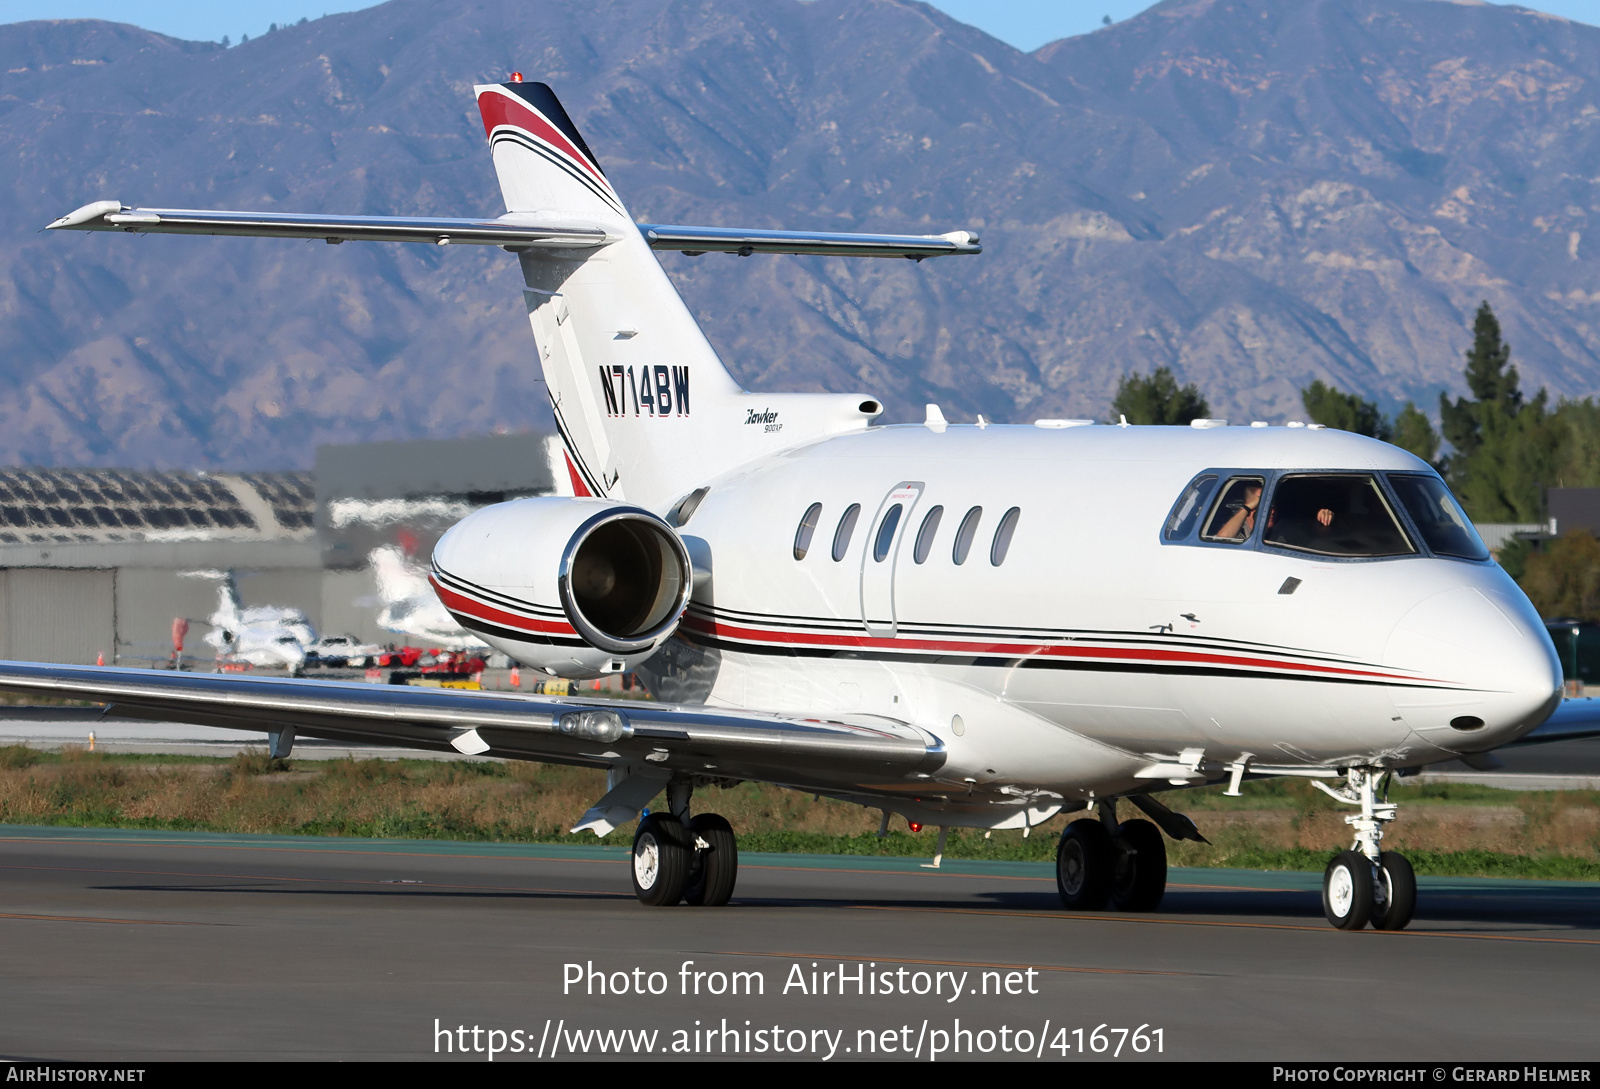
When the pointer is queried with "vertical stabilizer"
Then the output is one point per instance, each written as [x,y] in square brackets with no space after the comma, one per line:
[645,408]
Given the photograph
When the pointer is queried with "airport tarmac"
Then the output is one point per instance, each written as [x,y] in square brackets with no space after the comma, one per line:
[135,946]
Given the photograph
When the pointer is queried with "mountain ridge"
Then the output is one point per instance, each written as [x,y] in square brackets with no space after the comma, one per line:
[1252,192]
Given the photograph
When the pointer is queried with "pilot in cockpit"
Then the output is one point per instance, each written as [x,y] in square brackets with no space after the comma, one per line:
[1242,522]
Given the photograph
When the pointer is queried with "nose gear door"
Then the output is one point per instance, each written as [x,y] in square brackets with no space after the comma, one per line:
[878,558]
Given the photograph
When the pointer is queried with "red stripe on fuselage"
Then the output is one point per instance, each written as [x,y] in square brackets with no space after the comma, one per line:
[460,603]
[1029,650]
[501,109]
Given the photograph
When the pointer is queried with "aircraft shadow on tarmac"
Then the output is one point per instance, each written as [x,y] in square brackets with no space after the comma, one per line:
[1547,907]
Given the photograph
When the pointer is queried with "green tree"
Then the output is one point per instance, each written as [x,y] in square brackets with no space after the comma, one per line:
[1563,579]
[1410,430]
[1413,431]
[1504,448]
[1158,399]
[1345,411]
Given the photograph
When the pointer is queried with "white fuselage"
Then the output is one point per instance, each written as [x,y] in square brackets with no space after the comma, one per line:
[1096,650]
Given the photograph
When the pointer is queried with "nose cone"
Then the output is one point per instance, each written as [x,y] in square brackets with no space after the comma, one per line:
[1485,669]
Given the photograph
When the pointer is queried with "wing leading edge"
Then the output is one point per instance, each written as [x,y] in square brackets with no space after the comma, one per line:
[664,739]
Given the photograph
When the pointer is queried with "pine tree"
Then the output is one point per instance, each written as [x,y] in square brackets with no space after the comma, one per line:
[1158,399]
[1505,448]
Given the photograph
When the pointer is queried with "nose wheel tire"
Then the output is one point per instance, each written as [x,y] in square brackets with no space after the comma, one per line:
[714,861]
[1085,861]
[1140,879]
[1348,893]
[660,860]
[1400,888]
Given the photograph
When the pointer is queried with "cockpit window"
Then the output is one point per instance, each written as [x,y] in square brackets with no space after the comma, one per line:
[1438,517]
[1233,518]
[1343,515]
[1181,522]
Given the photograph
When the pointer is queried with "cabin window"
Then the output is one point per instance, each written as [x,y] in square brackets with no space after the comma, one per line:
[1185,515]
[925,535]
[806,530]
[1438,517]
[1343,515]
[1002,536]
[885,538]
[847,526]
[964,535]
[1233,518]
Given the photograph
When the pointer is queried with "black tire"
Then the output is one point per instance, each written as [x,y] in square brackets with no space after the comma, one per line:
[714,868]
[1347,890]
[1400,887]
[1140,880]
[660,860]
[1085,859]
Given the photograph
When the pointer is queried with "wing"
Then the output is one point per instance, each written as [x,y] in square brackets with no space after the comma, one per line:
[513,230]
[1573,720]
[658,739]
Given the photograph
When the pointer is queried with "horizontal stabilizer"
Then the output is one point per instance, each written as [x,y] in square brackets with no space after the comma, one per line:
[511,230]
[698,240]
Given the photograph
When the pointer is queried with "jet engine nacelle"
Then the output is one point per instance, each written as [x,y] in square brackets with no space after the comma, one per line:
[575,587]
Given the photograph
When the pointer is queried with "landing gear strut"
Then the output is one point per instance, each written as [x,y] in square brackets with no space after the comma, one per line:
[681,858]
[1366,883]
[1100,862]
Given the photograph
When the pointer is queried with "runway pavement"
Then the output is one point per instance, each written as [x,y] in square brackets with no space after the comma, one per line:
[144,946]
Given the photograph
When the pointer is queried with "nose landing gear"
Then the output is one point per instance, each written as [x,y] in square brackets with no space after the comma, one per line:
[1367,884]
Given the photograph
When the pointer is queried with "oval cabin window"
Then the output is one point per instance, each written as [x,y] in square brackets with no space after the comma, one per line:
[964,535]
[847,526]
[807,529]
[925,535]
[1002,536]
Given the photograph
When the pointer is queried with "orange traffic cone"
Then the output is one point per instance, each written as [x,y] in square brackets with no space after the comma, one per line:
[100,659]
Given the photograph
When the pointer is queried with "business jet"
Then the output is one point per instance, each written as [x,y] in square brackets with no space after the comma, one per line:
[967,625]
[264,636]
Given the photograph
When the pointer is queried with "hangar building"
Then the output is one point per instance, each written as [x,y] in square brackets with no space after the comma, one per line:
[96,564]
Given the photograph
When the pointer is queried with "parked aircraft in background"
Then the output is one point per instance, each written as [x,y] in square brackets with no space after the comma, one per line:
[974,626]
[263,636]
[408,606]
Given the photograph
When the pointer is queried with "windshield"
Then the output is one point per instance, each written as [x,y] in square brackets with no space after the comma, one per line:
[1343,515]
[1438,517]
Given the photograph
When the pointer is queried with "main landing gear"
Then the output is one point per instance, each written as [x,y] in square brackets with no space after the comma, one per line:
[1101,862]
[693,861]
[1367,884]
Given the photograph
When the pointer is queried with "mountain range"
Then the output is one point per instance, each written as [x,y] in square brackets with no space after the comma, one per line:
[1255,193]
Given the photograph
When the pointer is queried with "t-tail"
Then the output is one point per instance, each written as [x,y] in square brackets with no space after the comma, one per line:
[646,410]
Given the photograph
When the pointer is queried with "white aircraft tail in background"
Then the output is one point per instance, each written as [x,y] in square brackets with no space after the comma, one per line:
[409,607]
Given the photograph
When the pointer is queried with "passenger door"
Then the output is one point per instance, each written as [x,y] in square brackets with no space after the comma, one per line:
[882,548]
